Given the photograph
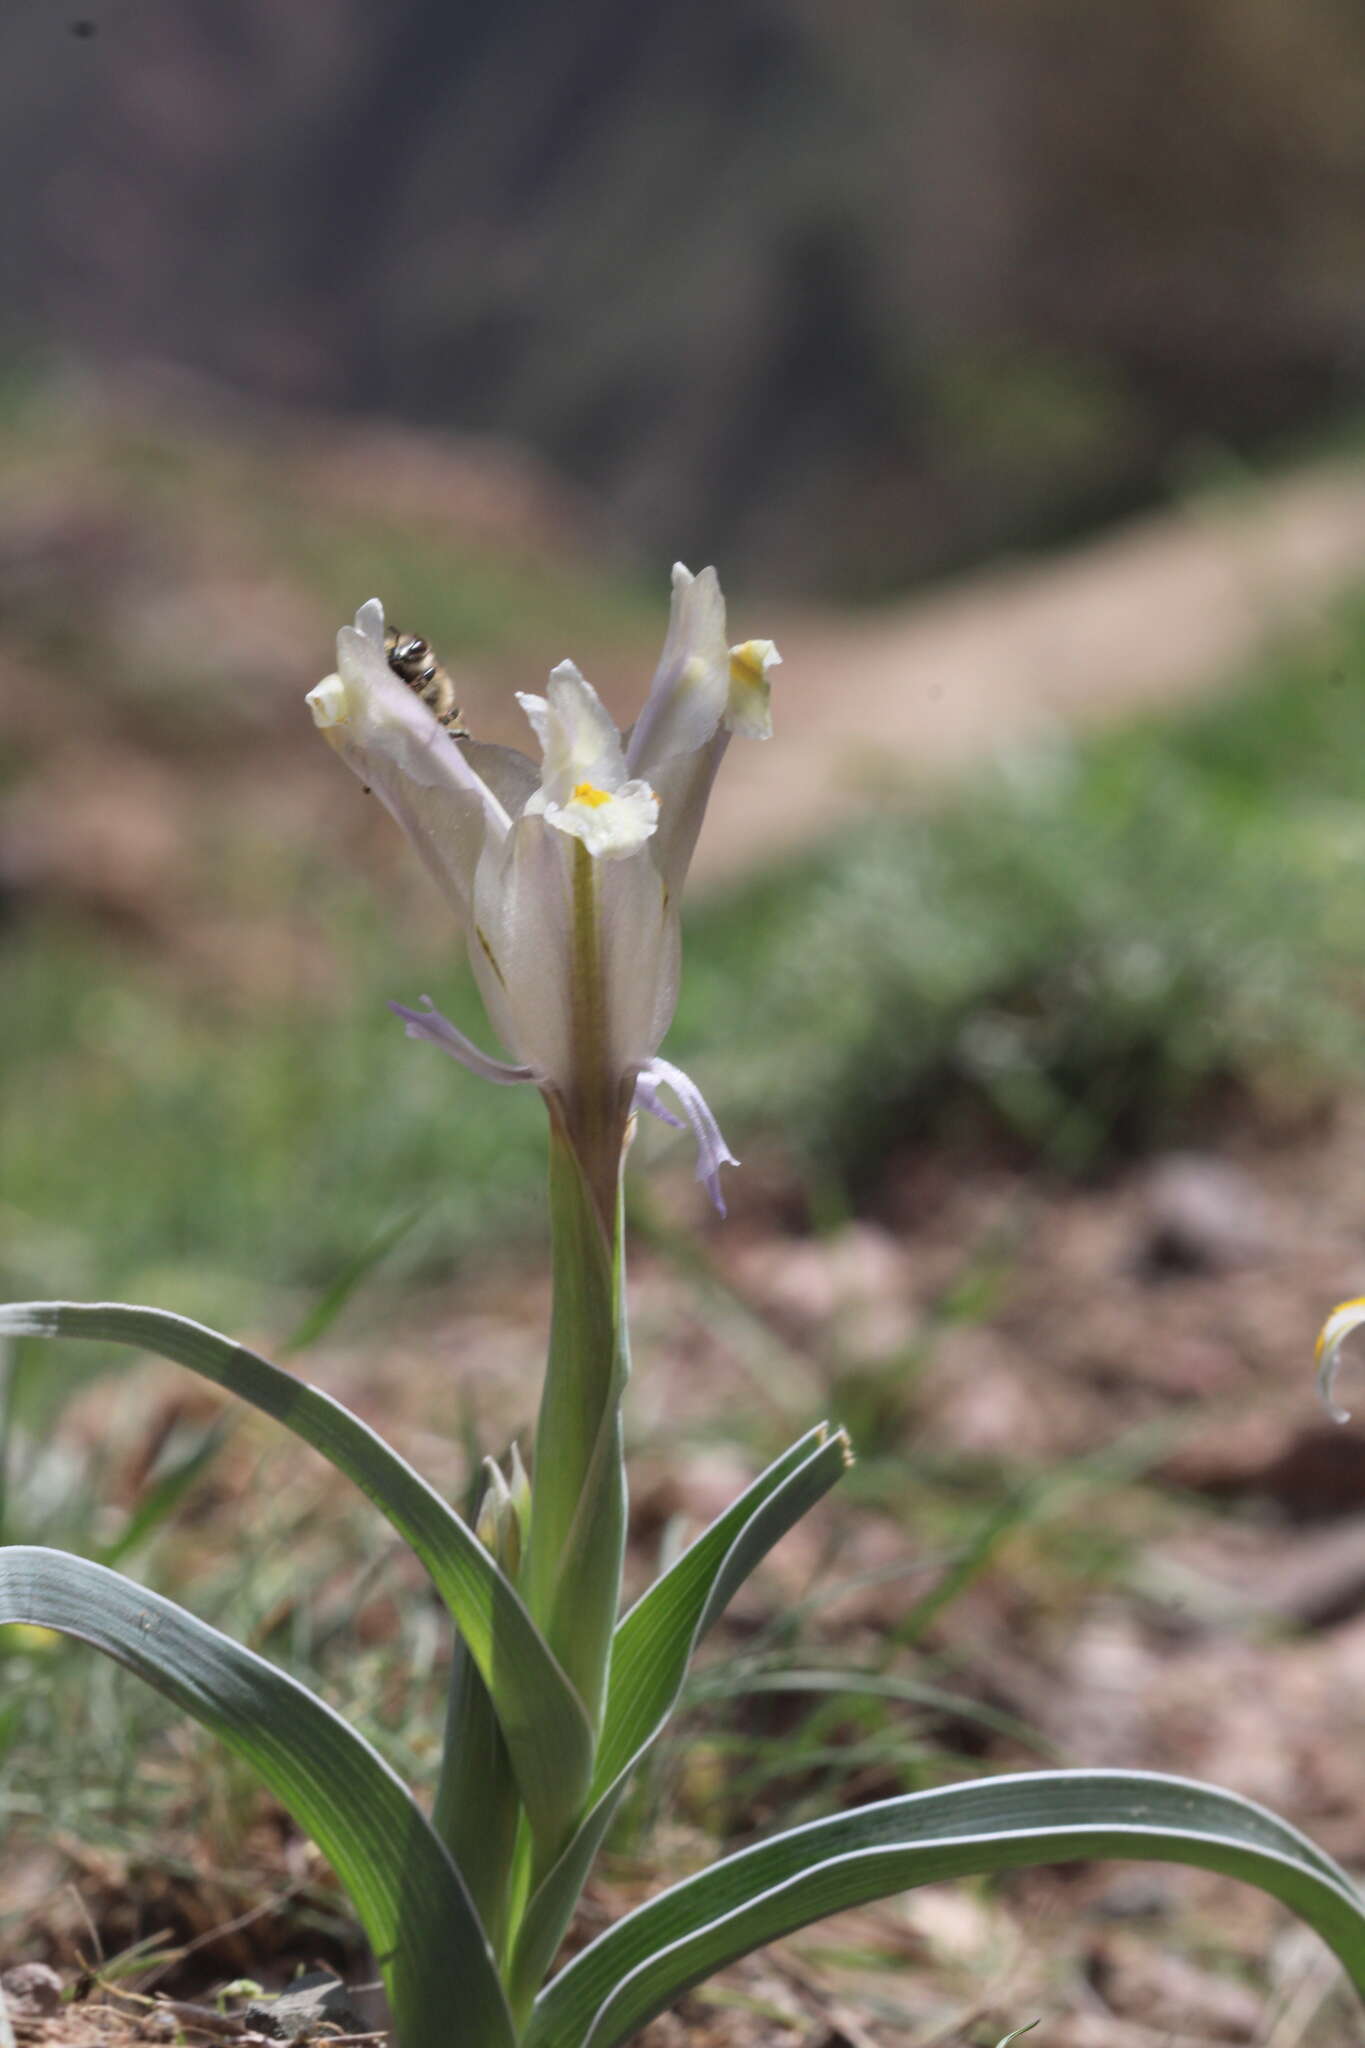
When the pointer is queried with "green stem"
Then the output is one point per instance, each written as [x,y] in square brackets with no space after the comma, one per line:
[572,1573]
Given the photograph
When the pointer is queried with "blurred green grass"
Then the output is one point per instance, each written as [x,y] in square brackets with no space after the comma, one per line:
[1089,950]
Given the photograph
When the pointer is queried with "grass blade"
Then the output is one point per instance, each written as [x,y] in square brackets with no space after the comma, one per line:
[541,1716]
[405,1888]
[647,1960]
[317,1320]
[164,1495]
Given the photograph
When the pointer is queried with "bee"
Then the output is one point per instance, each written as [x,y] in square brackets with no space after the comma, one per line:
[413,662]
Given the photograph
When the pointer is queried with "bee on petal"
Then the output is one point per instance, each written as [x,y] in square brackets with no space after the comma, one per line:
[412,660]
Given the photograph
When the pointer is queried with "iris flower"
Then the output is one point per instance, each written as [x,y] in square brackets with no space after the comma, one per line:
[1344,1320]
[565,875]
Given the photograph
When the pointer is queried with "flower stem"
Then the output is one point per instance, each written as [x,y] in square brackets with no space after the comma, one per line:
[572,1569]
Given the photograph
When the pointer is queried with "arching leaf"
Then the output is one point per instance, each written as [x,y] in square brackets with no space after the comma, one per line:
[406,1890]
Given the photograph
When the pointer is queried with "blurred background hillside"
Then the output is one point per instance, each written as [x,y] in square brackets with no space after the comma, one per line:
[840,297]
[1008,358]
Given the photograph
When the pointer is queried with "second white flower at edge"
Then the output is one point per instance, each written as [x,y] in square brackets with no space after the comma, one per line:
[499,836]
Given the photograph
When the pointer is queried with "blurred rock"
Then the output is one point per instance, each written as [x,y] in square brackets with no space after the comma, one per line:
[32,1991]
[1202,1215]
[1314,1474]
[852,1287]
[1171,1996]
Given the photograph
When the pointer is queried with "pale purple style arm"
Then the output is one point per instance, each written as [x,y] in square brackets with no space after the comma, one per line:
[712,1150]
[429,1024]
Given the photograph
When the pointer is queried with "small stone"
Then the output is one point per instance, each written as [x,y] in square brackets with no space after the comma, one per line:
[313,2005]
[32,1991]
[1203,1215]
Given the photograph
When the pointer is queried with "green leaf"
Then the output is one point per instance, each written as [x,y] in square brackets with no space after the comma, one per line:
[409,1896]
[655,1642]
[648,1959]
[541,1716]
[650,1655]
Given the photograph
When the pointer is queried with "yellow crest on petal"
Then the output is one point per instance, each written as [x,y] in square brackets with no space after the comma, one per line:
[749,711]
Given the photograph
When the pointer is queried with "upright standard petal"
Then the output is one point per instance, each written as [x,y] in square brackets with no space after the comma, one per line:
[690,691]
[703,691]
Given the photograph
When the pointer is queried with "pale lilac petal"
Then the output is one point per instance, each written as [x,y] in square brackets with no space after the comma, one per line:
[647,1097]
[712,1150]
[428,1023]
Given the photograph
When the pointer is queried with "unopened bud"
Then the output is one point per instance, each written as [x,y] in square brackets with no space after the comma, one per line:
[498,1527]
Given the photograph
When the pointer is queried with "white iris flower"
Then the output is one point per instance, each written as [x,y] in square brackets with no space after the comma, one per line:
[566,876]
[1344,1320]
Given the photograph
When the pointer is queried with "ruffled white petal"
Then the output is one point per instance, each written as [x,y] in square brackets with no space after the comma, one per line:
[1344,1319]
[428,1024]
[612,827]
[578,741]
[712,1150]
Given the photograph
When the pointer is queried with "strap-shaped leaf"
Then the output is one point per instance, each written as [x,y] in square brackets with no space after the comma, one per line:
[647,1960]
[405,1888]
[650,1655]
[541,1716]
[654,1643]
